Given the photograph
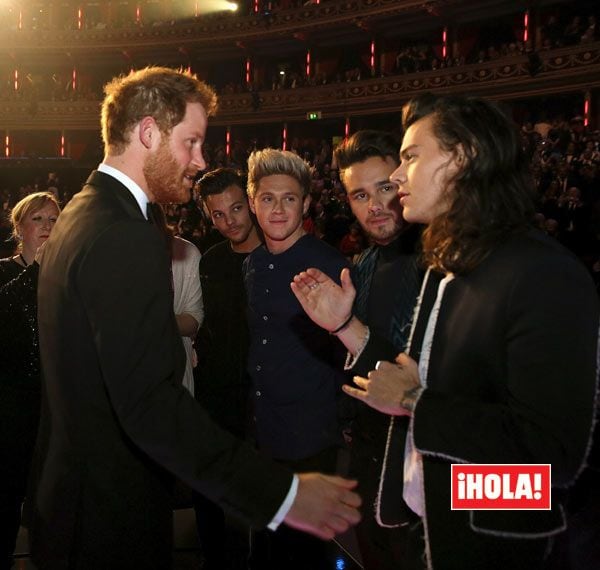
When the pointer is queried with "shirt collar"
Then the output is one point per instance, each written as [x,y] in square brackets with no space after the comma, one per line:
[133,187]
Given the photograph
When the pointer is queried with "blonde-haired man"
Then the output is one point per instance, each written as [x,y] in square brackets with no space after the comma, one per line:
[294,364]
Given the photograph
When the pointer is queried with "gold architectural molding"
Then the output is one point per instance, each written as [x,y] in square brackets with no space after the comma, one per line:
[564,70]
[211,30]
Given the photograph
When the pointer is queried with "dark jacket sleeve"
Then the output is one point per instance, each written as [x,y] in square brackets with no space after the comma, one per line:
[549,338]
[377,348]
[126,293]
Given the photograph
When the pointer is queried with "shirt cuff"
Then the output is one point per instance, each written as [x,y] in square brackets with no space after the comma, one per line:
[351,359]
[286,505]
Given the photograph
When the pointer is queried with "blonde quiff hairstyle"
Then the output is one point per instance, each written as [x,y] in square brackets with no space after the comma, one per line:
[159,92]
[270,161]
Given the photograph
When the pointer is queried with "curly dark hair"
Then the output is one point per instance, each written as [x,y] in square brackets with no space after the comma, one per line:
[491,196]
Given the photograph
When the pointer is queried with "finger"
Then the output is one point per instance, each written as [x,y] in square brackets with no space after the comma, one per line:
[316,274]
[349,514]
[354,392]
[374,374]
[338,524]
[383,365]
[303,280]
[305,293]
[362,382]
[324,531]
[351,499]
[308,286]
[403,359]
[341,482]
[301,293]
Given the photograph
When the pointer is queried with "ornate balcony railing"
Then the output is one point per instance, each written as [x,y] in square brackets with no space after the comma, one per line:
[211,31]
[564,70]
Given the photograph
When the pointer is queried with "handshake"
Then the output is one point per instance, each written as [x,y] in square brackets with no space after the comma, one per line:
[325,505]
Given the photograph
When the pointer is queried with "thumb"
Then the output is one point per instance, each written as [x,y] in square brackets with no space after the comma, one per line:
[403,359]
[346,281]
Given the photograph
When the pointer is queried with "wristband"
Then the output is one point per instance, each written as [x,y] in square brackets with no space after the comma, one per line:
[343,325]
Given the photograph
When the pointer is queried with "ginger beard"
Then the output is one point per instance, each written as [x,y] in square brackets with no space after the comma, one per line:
[166,179]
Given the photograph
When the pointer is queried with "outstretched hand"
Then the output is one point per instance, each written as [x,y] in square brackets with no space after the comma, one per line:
[325,505]
[323,300]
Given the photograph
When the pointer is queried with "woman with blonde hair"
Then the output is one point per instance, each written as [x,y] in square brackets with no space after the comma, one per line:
[32,220]
[20,384]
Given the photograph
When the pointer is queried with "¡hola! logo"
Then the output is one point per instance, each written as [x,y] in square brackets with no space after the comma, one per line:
[500,486]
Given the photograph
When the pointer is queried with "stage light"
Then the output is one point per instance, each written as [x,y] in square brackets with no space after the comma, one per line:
[209,6]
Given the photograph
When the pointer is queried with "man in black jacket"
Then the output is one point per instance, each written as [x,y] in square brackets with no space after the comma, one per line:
[222,382]
[501,366]
[112,359]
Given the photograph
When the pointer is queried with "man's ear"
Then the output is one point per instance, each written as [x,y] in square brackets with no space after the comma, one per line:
[460,156]
[148,132]
[306,204]
[251,204]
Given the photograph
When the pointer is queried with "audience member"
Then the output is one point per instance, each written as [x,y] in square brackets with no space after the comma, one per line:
[187,292]
[222,381]
[32,219]
[366,160]
[20,383]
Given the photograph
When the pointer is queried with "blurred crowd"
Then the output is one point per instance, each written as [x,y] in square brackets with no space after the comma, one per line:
[565,165]
[565,157]
[558,29]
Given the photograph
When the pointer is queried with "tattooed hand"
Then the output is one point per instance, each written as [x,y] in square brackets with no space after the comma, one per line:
[393,388]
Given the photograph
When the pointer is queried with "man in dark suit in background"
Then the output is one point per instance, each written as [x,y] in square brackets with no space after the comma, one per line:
[222,382]
[113,361]
[387,278]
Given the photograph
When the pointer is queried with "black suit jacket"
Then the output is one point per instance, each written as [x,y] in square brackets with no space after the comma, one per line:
[512,378]
[121,422]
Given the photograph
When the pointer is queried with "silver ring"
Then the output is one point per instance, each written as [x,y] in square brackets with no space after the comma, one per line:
[313,286]
[377,364]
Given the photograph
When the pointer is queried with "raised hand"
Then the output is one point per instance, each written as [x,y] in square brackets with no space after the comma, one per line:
[323,300]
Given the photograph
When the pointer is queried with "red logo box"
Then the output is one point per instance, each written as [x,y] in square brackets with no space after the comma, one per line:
[499,486]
